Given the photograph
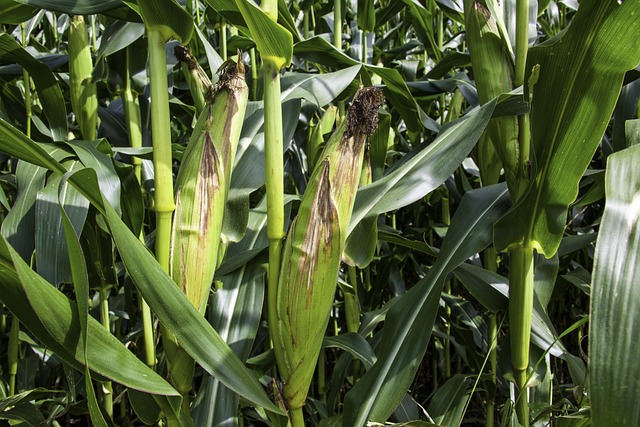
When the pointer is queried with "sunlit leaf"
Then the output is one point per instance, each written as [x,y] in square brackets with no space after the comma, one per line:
[615,304]
[585,63]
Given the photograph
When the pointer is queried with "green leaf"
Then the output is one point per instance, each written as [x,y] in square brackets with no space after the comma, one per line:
[584,64]
[170,305]
[492,291]
[19,225]
[15,13]
[75,7]
[354,344]
[448,403]
[424,169]
[167,17]
[52,258]
[195,335]
[81,288]
[396,92]
[46,84]
[366,16]
[235,312]
[274,42]
[53,319]
[408,324]
[615,297]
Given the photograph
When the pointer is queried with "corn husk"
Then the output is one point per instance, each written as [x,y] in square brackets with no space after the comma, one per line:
[202,186]
[314,246]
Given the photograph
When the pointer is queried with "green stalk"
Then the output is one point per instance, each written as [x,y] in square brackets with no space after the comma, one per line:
[446,220]
[223,39]
[107,387]
[296,417]
[254,74]
[521,258]
[364,47]
[3,319]
[522,40]
[492,336]
[352,310]
[337,26]
[274,169]
[161,138]
[161,133]
[492,325]
[520,312]
[134,130]
[12,354]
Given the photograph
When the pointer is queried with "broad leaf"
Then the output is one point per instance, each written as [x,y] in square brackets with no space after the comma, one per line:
[168,17]
[408,325]
[615,298]
[46,84]
[581,73]
[424,169]
[53,319]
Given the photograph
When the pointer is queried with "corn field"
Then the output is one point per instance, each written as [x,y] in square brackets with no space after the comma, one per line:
[320,213]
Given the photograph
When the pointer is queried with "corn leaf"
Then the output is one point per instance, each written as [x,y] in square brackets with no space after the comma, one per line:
[14,12]
[366,16]
[46,84]
[581,73]
[396,91]
[52,258]
[427,168]
[196,336]
[76,7]
[274,42]
[80,280]
[168,17]
[19,225]
[53,319]
[409,322]
[615,297]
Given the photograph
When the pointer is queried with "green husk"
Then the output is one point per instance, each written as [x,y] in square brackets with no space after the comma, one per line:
[202,186]
[314,247]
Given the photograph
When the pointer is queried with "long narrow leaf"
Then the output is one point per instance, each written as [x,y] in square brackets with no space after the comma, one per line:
[581,73]
[408,325]
[49,92]
[615,300]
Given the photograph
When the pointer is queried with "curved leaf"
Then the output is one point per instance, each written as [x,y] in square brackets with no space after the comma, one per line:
[615,297]
[53,319]
[409,322]
[14,12]
[171,306]
[424,170]
[167,17]
[274,42]
[46,84]
[76,7]
[581,73]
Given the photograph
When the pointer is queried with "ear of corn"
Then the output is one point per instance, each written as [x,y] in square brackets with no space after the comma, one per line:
[314,246]
[202,186]
[84,98]
[493,74]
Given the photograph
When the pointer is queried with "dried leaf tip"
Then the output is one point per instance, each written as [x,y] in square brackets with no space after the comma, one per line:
[363,114]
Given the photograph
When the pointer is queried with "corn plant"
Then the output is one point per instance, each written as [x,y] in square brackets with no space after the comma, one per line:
[215,213]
